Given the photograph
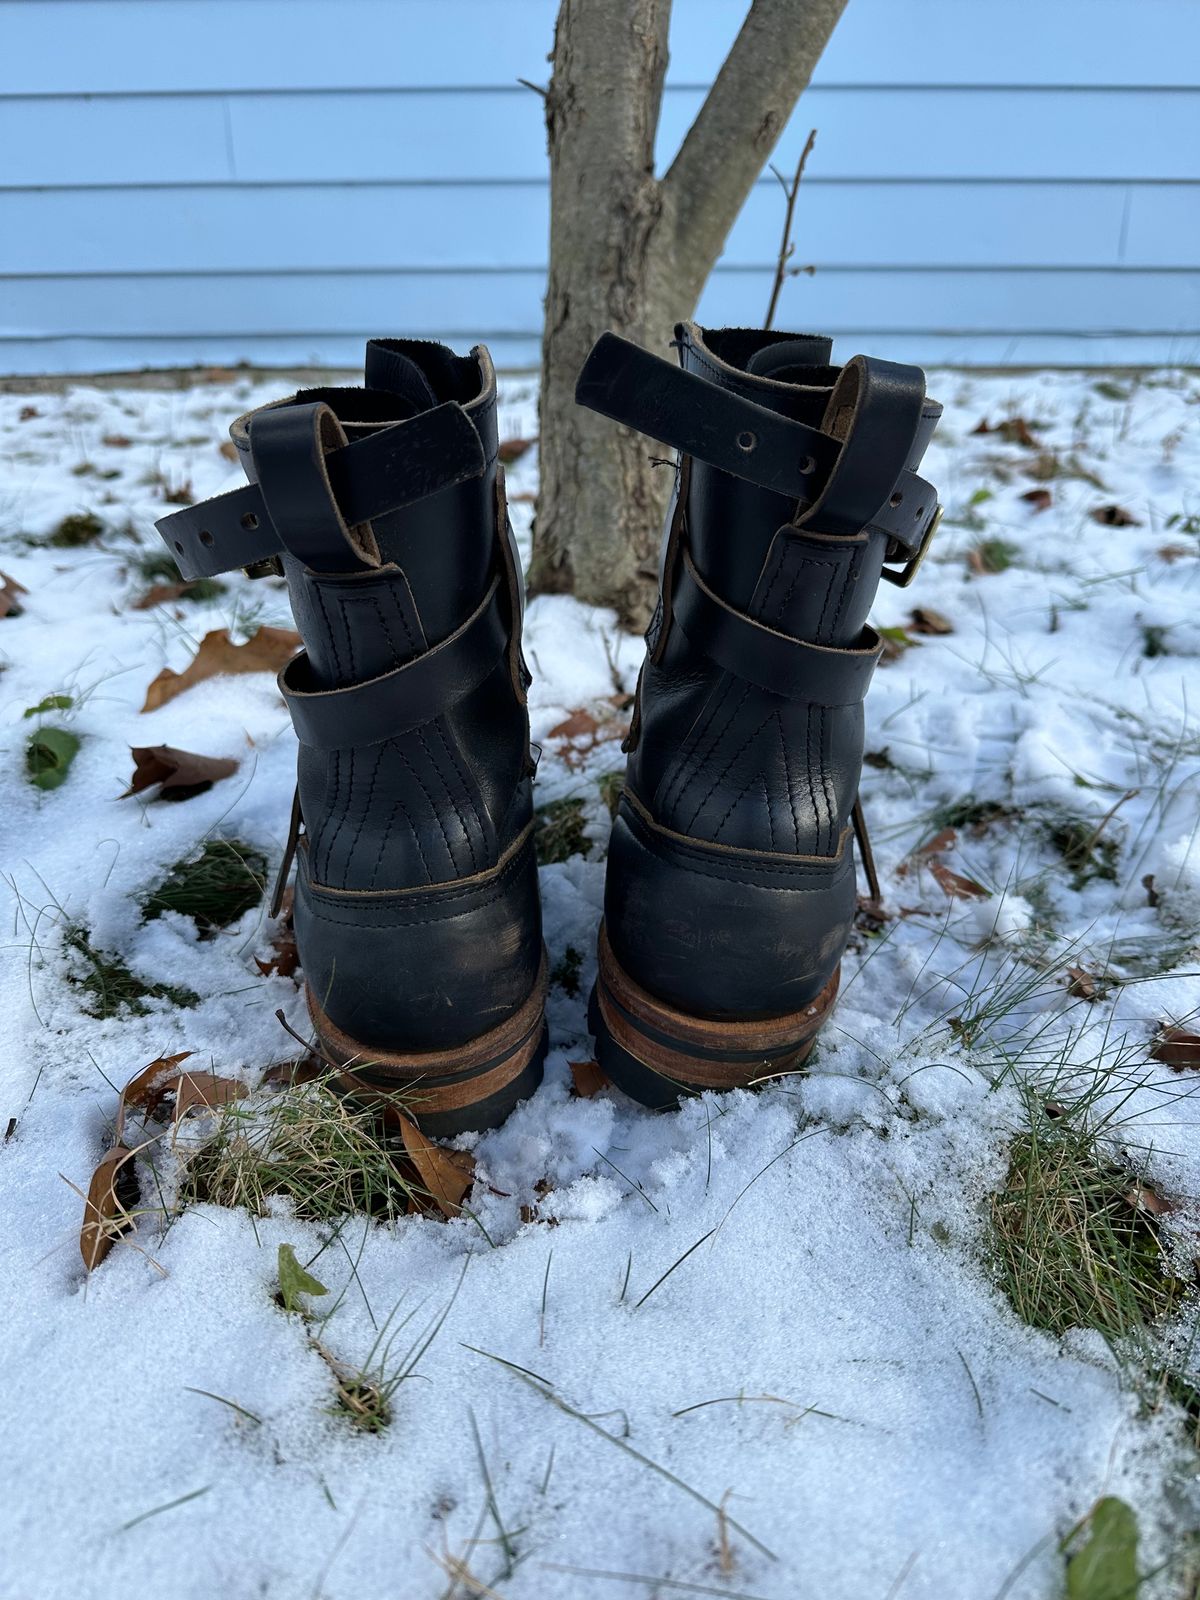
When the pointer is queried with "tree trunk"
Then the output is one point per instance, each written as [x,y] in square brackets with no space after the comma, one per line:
[631,252]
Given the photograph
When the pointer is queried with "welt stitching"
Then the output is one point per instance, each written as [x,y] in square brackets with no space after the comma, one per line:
[366,811]
[705,752]
[729,765]
[737,800]
[787,775]
[437,814]
[342,819]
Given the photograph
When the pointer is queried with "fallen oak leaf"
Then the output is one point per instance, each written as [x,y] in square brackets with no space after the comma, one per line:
[1013,430]
[1114,517]
[1176,1048]
[180,774]
[204,1091]
[446,1174]
[10,593]
[587,1078]
[579,724]
[946,839]
[1038,499]
[1145,1197]
[955,885]
[229,450]
[160,594]
[266,650]
[116,441]
[510,450]
[924,619]
[1084,985]
[107,1206]
[285,956]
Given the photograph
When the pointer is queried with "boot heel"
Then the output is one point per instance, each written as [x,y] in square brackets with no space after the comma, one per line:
[658,1055]
[446,1092]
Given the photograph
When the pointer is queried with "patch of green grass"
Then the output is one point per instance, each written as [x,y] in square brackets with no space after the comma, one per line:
[327,1155]
[559,831]
[214,888]
[1085,850]
[1154,641]
[108,984]
[1073,1247]
[157,566]
[73,532]
[993,555]
[565,973]
[612,787]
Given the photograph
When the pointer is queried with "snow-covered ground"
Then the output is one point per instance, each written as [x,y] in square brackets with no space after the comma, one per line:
[829,1396]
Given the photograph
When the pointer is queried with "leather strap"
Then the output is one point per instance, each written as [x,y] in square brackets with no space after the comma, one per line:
[816,674]
[409,696]
[368,478]
[699,418]
[290,447]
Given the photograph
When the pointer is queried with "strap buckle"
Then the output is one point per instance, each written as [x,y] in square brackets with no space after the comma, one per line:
[904,575]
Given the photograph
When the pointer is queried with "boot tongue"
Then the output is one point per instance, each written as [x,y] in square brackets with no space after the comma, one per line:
[398,374]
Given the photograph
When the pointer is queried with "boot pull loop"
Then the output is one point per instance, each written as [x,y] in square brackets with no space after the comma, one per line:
[874,411]
[391,468]
[289,447]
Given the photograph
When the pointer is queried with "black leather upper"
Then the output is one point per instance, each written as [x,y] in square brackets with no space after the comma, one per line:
[416,900]
[731,876]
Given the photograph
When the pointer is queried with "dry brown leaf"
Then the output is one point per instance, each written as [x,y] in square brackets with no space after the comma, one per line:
[1038,499]
[578,725]
[285,957]
[229,450]
[1145,1197]
[204,1091]
[180,773]
[113,1185]
[105,1218]
[27,413]
[511,450]
[945,840]
[924,619]
[446,1174]
[588,1078]
[1170,553]
[266,650]
[1114,517]
[1177,1049]
[160,594]
[116,441]
[1084,985]
[1151,891]
[1013,430]
[870,915]
[955,885]
[10,593]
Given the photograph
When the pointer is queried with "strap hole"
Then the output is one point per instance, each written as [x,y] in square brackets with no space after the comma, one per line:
[896,499]
[206,538]
[920,512]
[179,547]
[746,441]
[249,522]
[807,465]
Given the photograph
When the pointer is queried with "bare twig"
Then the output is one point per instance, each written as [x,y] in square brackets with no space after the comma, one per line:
[786,247]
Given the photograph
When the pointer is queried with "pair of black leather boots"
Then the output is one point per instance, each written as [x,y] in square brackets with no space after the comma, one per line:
[731,889]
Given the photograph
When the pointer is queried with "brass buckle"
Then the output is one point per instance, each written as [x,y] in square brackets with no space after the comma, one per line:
[903,576]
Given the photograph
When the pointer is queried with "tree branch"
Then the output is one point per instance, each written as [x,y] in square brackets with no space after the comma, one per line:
[745,111]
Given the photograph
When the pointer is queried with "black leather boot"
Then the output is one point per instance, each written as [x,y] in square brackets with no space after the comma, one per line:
[731,889]
[416,904]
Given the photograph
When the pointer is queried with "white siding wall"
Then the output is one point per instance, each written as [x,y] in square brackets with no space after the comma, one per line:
[218,180]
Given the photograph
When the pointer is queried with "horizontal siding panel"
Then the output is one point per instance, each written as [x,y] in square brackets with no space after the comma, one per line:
[114,46]
[344,351]
[301,230]
[862,133]
[511,303]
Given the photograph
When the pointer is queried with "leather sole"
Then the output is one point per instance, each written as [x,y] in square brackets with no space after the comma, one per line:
[445,1092]
[658,1055]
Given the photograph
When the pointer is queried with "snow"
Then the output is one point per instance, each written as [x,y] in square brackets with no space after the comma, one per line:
[833,1363]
